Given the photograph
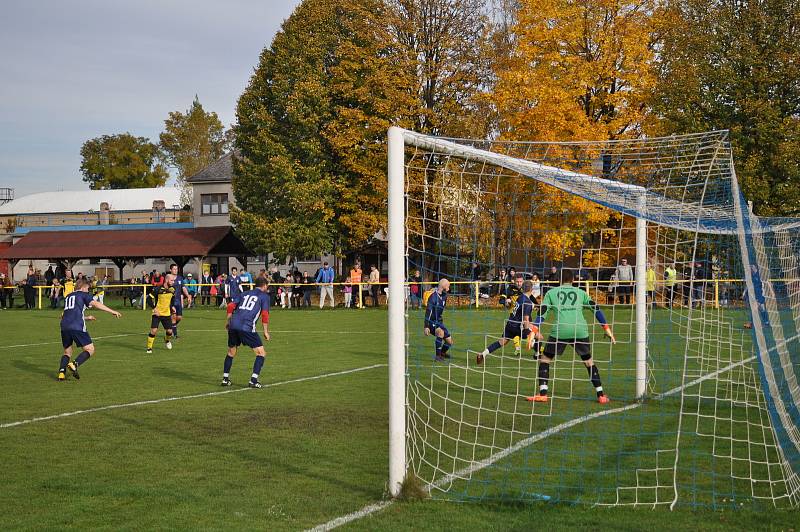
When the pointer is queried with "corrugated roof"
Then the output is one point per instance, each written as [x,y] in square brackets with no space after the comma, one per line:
[131,199]
[220,171]
[197,242]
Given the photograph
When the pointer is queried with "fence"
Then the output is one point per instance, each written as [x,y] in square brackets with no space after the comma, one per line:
[719,292]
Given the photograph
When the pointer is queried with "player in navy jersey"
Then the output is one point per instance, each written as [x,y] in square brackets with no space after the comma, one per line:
[233,284]
[179,284]
[434,322]
[73,328]
[518,324]
[243,314]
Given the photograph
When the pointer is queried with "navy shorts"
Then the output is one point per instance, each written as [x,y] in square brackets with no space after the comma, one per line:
[178,310]
[80,338]
[164,321]
[512,330]
[237,338]
[433,325]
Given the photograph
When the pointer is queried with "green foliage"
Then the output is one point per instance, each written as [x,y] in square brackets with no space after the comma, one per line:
[192,140]
[734,65]
[121,161]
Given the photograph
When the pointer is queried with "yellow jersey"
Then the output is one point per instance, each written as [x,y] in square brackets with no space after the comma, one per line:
[69,286]
[164,297]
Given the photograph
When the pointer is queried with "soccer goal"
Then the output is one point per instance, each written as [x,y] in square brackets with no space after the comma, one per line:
[703,377]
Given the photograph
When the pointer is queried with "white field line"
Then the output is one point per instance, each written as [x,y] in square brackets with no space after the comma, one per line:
[183,397]
[143,333]
[477,466]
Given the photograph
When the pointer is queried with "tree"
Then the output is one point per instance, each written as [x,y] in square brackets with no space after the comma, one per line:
[121,161]
[577,70]
[311,127]
[734,65]
[191,141]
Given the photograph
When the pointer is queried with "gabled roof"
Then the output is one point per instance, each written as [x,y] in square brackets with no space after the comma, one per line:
[196,242]
[65,201]
[220,171]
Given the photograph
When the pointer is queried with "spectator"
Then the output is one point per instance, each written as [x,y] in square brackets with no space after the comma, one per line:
[307,282]
[191,288]
[374,284]
[222,290]
[28,289]
[156,279]
[288,289]
[49,275]
[650,278]
[55,293]
[553,280]
[206,284]
[536,294]
[500,284]
[624,274]
[670,278]
[347,290]
[100,289]
[474,277]
[325,278]
[3,291]
[355,278]
[274,289]
[297,289]
[246,279]
[134,291]
[612,289]
[415,289]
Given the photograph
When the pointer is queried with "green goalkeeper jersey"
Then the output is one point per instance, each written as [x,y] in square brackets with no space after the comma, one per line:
[567,303]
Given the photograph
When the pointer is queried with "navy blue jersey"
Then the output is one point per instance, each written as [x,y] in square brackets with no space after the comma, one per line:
[249,306]
[74,305]
[178,284]
[435,309]
[523,307]
[235,289]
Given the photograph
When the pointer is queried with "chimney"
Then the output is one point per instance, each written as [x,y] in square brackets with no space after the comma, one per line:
[104,213]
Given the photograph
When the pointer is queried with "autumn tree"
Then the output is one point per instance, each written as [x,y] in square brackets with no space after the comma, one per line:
[734,65]
[578,70]
[121,161]
[311,129]
[191,141]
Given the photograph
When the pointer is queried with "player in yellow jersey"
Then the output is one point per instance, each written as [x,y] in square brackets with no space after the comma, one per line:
[162,314]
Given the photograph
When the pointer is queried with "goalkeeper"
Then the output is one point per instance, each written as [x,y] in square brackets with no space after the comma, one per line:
[567,303]
[518,324]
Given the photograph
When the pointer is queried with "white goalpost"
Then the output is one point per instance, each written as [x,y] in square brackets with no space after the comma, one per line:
[704,412]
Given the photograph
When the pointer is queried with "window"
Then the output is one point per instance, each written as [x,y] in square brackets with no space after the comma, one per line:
[213,204]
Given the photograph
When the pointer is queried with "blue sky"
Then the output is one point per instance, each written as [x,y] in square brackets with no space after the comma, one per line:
[77,69]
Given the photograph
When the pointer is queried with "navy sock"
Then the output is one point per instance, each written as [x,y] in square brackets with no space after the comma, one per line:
[544,377]
[83,357]
[64,362]
[594,374]
[175,330]
[445,349]
[494,346]
[228,363]
[439,342]
[257,365]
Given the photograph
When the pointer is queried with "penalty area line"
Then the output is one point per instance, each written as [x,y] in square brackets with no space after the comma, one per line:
[184,397]
[486,462]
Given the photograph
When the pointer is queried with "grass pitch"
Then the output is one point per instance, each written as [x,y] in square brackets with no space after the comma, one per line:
[310,447]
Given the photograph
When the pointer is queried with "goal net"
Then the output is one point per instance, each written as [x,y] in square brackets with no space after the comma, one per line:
[702,380]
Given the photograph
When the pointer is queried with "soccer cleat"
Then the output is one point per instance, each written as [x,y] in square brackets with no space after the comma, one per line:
[517,343]
[479,358]
[517,351]
[603,399]
[226,382]
[73,368]
[148,350]
[62,376]
[538,398]
[531,341]
[168,345]
[255,384]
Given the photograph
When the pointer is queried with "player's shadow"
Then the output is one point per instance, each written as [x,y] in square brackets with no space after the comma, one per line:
[172,373]
[32,368]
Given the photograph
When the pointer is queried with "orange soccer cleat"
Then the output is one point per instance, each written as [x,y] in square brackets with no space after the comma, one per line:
[538,398]
[603,399]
